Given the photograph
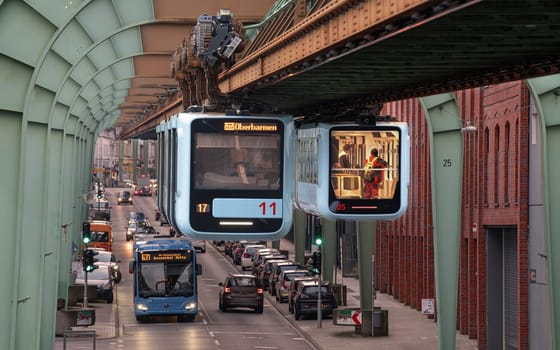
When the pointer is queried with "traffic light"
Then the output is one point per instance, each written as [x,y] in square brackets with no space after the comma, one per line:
[86,233]
[318,237]
[89,260]
[316,268]
[99,194]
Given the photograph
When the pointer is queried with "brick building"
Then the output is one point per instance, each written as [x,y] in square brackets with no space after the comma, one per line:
[494,283]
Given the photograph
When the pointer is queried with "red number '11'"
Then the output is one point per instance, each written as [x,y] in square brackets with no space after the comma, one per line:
[271,205]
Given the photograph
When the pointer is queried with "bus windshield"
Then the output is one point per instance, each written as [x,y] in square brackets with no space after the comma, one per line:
[165,279]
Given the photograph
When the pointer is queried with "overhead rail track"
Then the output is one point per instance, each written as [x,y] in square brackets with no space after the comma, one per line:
[339,58]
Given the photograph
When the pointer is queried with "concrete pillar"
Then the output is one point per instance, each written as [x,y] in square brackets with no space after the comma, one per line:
[446,147]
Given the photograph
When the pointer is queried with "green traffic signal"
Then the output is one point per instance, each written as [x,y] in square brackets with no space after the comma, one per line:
[89,260]
[99,194]
[86,233]
[318,238]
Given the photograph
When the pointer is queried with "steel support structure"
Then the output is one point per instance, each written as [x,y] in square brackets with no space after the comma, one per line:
[446,153]
[546,92]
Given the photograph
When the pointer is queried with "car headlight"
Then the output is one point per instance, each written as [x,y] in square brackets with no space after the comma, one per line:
[190,306]
[115,267]
[141,307]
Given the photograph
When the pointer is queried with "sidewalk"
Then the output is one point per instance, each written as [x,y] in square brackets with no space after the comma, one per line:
[408,328]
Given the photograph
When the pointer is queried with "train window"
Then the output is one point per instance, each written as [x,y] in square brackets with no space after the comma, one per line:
[248,162]
[368,172]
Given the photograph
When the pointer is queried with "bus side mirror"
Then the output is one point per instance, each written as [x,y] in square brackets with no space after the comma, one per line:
[131,266]
[198,269]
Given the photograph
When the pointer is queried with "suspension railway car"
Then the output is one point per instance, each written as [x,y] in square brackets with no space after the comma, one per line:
[339,177]
[227,177]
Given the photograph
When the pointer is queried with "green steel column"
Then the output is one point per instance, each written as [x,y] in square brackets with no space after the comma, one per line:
[30,267]
[300,223]
[52,238]
[545,91]
[366,244]
[275,244]
[328,250]
[11,155]
[446,147]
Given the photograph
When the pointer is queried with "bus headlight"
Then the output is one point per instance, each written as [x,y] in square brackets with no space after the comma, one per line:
[141,307]
[190,306]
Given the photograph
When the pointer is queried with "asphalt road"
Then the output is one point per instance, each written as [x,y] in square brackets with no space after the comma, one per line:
[212,328]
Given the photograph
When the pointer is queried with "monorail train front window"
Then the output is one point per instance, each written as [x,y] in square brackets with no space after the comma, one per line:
[248,162]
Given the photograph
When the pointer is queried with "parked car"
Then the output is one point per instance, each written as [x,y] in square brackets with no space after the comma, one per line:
[266,270]
[124,197]
[277,269]
[284,283]
[263,259]
[100,277]
[238,251]
[109,259]
[257,257]
[247,256]
[294,287]
[305,300]
[240,290]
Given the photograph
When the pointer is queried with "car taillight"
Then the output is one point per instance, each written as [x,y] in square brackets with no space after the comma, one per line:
[284,284]
[227,290]
[259,290]
[245,255]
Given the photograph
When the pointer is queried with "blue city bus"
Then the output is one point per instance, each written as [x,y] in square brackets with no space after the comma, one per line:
[165,279]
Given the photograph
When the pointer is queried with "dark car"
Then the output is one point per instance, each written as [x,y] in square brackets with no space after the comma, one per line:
[241,291]
[143,191]
[305,300]
[124,197]
[294,287]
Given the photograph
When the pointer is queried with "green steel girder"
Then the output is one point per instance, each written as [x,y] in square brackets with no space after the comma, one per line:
[546,94]
[446,148]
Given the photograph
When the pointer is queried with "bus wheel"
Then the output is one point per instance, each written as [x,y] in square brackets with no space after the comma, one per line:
[185,318]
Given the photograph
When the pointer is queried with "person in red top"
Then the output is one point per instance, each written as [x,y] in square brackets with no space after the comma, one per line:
[373,179]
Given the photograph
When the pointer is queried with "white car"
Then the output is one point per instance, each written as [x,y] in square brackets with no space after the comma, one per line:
[101,278]
[248,254]
[108,259]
